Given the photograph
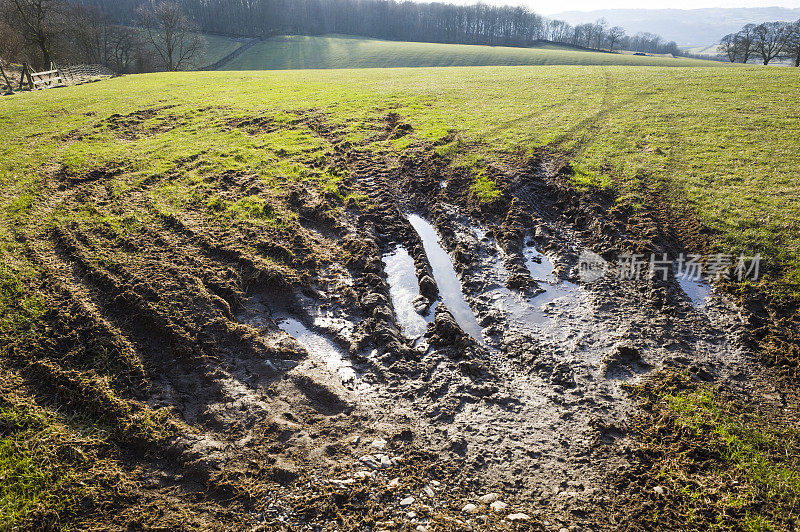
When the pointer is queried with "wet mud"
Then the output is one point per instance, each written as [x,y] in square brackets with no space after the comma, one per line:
[421,345]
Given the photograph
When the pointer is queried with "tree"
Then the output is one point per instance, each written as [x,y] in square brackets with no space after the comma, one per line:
[39,21]
[125,49]
[615,35]
[11,43]
[745,39]
[172,35]
[792,43]
[729,47]
[769,40]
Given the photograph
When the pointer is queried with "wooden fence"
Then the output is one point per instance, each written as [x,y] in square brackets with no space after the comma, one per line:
[55,77]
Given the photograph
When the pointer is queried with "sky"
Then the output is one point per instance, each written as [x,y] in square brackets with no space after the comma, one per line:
[548,7]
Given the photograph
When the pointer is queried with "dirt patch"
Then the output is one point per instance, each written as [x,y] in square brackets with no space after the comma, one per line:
[131,126]
[253,125]
[258,376]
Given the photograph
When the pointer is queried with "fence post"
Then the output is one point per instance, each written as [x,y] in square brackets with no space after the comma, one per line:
[27,73]
[22,75]
[8,82]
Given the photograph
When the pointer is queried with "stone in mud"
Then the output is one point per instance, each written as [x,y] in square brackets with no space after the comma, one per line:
[498,506]
[408,501]
[428,287]
[518,517]
[469,508]
[421,304]
[489,498]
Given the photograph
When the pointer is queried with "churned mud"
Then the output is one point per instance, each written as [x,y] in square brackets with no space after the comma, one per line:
[431,360]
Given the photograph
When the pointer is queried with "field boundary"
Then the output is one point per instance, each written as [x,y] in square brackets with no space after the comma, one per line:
[233,55]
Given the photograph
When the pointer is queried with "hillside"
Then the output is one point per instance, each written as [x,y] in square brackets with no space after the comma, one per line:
[338,299]
[688,27]
[339,51]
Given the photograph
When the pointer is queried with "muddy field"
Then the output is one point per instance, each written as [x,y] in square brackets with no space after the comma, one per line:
[412,359]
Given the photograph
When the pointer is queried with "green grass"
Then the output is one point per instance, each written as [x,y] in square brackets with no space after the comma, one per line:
[726,138]
[217,47]
[342,51]
[731,468]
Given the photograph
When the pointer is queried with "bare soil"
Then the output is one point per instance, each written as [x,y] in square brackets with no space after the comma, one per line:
[220,419]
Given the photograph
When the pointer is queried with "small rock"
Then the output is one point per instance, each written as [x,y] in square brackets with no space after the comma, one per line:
[411,515]
[363,474]
[378,444]
[659,490]
[469,508]
[498,506]
[408,501]
[421,528]
[435,483]
[370,461]
[394,483]
[385,461]
[429,491]
[518,517]
[489,498]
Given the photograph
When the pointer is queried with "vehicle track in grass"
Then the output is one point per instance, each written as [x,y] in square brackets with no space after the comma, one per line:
[172,333]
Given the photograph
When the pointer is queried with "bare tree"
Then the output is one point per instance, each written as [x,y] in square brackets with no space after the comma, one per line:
[125,48]
[172,35]
[90,30]
[39,21]
[792,43]
[615,35]
[729,47]
[745,39]
[11,43]
[769,40]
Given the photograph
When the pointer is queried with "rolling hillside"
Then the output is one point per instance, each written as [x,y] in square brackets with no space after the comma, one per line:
[340,51]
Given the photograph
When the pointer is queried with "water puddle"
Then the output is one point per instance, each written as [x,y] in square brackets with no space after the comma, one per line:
[319,347]
[698,291]
[404,289]
[260,312]
[446,278]
[542,269]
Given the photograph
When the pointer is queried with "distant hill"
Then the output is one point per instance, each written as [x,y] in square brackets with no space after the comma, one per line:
[344,51]
[687,27]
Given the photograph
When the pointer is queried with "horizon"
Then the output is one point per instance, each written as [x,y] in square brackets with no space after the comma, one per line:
[589,6]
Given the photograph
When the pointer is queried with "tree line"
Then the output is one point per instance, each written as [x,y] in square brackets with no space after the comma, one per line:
[145,35]
[763,42]
[40,32]
[401,21]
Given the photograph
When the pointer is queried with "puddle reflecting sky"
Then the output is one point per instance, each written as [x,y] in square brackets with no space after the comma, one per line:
[319,347]
[698,291]
[404,289]
[446,278]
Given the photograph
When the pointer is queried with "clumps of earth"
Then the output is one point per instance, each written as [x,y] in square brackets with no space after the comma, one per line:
[481,385]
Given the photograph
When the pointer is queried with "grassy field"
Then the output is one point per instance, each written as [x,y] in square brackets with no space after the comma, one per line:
[217,47]
[722,140]
[725,137]
[341,51]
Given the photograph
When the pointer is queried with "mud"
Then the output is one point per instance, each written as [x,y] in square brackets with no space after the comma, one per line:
[302,379]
